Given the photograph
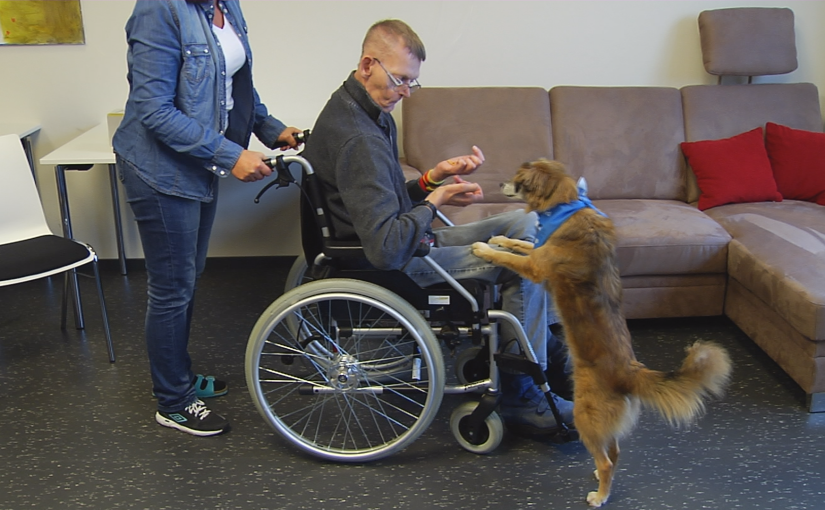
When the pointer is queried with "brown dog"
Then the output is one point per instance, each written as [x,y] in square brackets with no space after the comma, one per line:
[577,264]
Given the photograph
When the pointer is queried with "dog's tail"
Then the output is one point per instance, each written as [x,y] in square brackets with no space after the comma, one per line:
[680,396]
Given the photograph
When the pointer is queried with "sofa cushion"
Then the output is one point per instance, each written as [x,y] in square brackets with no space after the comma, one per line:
[798,161]
[732,170]
[778,254]
[623,140]
[721,111]
[665,237]
[510,125]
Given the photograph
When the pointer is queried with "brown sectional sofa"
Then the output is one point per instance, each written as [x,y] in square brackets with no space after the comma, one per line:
[761,264]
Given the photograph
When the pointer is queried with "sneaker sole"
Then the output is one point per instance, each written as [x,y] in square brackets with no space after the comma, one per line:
[175,425]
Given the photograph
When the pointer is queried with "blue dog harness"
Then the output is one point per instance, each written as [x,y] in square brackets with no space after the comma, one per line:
[551,219]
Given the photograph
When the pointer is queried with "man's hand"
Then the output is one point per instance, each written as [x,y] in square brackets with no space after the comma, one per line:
[250,167]
[460,165]
[460,193]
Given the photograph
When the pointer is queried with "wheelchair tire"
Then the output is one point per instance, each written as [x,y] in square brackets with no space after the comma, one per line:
[468,368]
[345,370]
[297,274]
[488,438]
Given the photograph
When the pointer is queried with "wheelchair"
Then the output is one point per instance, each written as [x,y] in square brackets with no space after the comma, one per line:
[348,364]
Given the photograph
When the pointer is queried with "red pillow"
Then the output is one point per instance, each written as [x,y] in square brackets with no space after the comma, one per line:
[732,170]
[798,161]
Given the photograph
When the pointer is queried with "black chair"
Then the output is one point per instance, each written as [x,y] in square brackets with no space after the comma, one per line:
[28,248]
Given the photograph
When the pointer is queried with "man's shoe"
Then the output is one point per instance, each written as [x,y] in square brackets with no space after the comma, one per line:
[525,407]
[195,419]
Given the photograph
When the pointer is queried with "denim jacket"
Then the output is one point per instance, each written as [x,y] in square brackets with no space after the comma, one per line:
[174,129]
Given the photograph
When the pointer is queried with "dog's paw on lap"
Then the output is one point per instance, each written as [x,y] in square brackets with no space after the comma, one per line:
[499,240]
[482,250]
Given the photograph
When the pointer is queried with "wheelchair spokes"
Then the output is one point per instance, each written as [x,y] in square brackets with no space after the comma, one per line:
[357,379]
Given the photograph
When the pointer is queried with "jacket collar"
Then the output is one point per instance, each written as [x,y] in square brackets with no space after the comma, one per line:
[357,91]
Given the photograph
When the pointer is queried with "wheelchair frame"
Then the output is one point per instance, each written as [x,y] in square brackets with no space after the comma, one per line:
[347,370]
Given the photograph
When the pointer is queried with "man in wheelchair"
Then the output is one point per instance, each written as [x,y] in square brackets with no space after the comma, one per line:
[354,153]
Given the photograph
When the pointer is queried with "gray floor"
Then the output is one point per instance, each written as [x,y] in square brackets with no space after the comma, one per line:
[77,431]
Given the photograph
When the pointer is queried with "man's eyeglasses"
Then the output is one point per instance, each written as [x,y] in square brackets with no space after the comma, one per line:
[413,85]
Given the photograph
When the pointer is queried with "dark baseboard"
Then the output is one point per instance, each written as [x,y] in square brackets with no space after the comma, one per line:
[138,264]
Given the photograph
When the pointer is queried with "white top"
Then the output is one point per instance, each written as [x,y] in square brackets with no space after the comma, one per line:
[233,53]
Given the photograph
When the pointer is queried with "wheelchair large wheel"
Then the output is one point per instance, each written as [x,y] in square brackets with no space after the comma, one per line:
[297,274]
[360,378]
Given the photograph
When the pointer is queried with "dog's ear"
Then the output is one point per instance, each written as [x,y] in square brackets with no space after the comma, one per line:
[546,184]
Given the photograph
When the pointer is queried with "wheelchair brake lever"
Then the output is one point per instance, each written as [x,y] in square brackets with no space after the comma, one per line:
[283,179]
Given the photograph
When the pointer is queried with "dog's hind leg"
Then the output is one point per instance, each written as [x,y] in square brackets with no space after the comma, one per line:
[604,472]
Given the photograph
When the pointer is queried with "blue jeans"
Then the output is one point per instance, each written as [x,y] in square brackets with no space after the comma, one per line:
[174,232]
[527,301]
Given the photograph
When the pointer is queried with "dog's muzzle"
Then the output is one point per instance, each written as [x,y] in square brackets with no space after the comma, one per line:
[509,190]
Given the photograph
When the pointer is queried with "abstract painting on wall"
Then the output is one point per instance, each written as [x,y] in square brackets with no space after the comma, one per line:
[40,22]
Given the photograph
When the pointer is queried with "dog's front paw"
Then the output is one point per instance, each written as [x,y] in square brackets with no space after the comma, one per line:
[482,250]
[499,240]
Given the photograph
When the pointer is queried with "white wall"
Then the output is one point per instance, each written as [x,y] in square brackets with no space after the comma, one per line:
[305,49]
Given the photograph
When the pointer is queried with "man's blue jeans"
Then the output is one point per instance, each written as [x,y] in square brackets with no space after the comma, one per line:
[527,301]
[174,232]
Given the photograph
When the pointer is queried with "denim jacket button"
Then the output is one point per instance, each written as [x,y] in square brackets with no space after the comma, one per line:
[206,50]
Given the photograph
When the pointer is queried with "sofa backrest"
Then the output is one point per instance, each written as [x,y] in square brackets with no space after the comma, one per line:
[623,140]
[713,112]
[511,125]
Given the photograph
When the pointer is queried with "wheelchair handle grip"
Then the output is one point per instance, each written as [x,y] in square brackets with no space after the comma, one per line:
[301,137]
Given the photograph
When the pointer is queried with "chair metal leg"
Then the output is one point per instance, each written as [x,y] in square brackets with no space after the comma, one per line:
[65,301]
[70,285]
[103,312]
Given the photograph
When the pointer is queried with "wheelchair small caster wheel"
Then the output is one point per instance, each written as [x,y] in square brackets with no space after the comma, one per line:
[469,368]
[488,436]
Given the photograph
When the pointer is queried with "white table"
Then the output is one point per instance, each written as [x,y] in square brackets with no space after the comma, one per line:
[89,149]
[24,130]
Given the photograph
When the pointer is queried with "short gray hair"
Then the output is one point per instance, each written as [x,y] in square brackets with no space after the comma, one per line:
[381,31]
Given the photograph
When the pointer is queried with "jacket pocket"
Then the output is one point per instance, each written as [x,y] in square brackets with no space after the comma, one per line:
[196,61]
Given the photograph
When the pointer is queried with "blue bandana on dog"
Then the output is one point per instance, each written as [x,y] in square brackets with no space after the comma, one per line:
[551,219]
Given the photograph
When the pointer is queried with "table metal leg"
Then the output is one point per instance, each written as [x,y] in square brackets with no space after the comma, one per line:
[63,198]
[121,252]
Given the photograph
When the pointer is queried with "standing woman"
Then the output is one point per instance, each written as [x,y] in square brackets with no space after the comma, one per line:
[190,114]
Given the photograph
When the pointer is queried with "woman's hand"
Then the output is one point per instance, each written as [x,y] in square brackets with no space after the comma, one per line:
[286,140]
[250,167]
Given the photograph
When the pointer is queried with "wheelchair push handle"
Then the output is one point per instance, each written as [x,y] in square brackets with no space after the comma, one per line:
[301,137]
[284,176]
